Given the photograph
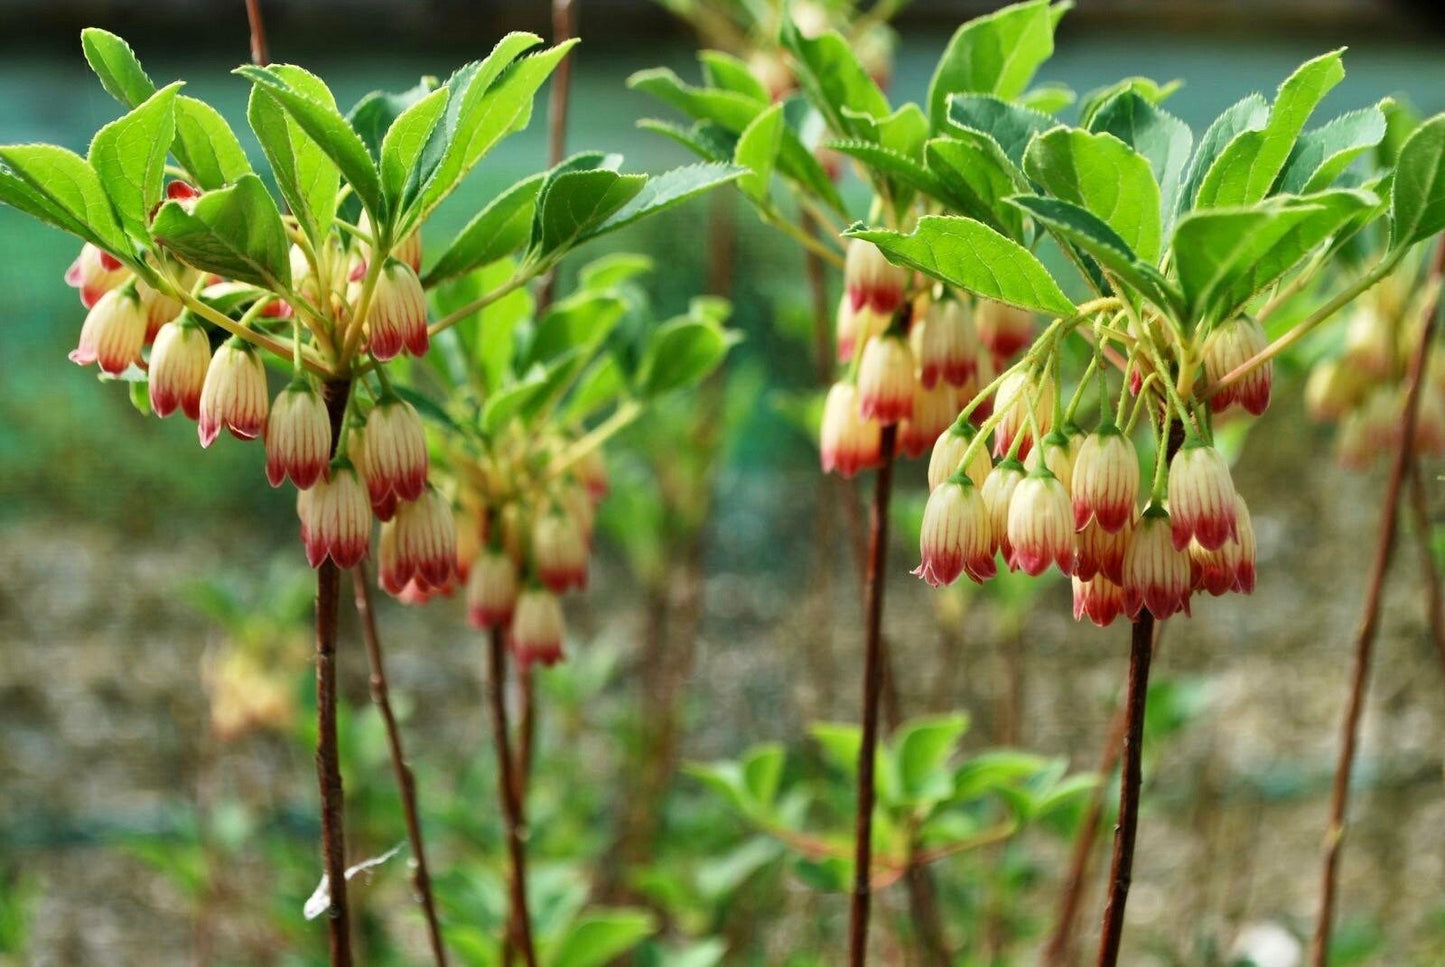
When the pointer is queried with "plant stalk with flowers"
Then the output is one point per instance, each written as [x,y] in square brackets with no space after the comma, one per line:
[195,281]
[1185,247]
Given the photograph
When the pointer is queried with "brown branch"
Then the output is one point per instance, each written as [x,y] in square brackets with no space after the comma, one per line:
[564,28]
[328,759]
[1369,626]
[259,56]
[1429,573]
[872,687]
[509,789]
[405,781]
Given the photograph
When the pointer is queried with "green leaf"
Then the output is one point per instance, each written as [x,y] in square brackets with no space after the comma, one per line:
[401,148]
[727,72]
[374,114]
[600,936]
[129,155]
[613,270]
[1086,230]
[1104,175]
[324,125]
[598,387]
[757,151]
[206,146]
[840,743]
[235,232]
[1322,154]
[581,321]
[498,230]
[835,82]
[1417,209]
[969,255]
[1162,139]
[305,175]
[1248,114]
[994,770]
[1223,257]
[976,175]
[994,54]
[1011,126]
[1050,98]
[117,67]
[575,201]
[64,185]
[494,103]
[921,752]
[1145,87]
[705,139]
[762,772]
[664,191]
[681,353]
[1247,168]
[896,167]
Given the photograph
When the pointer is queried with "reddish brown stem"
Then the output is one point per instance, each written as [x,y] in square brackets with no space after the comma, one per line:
[509,789]
[1369,626]
[1429,573]
[259,56]
[328,758]
[872,689]
[564,28]
[405,781]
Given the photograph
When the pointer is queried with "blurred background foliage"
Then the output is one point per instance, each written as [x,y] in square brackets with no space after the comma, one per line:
[154,737]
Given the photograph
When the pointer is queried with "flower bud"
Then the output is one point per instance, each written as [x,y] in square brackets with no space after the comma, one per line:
[945,344]
[537,629]
[1371,430]
[1370,342]
[94,272]
[407,250]
[1059,451]
[1228,347]
[1201,497]
[1156,573]
[957,534]
[933,412]
[298,436]
[391,451]
[998,492]
[885,380]
[591,472]
[397,317]
[772,72]
[1097,551]
[849,443]
[1098,599]
[233,395]
[1106,480]
[871,280]
[179,360]
[159,308]
[559,551]
[1003,329]
[1333,389]
[335,518]
[491,590]
[856,327]
[1231,567]
[419,544]
[1430,423]
[948,453]
[113,333]
[1017,391]
[1041,525]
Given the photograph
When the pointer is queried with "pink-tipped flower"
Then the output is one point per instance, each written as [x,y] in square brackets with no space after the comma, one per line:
[945,344]
[1156,573]
[233,396]
[848,443]
[1041,525]
[179,360]
[559,551]
[885,380]
[397,317]
[1106,480]
[1201,497]
[298,436]
[1333,389]
[159,307]
[94,272]
[1231,567]
[1016,392]
[491,590]
[1098,599]
[391,451]
[856,327]
[407,250]
[957,534]
[1059,451]
[1372,429]
[933,411]
[948,454]
[871,280]
[1098,551]
[537,629]
[1228,347]
[1002,329]
[335,518]
[591,472]
[113,333]
[419,544]
[998,493]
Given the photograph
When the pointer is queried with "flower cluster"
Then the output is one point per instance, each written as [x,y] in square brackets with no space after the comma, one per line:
[1363,387]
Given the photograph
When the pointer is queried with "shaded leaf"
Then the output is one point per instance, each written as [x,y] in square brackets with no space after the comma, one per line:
[1104,175]
[1162,139]
[1417,208]
[235,232]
